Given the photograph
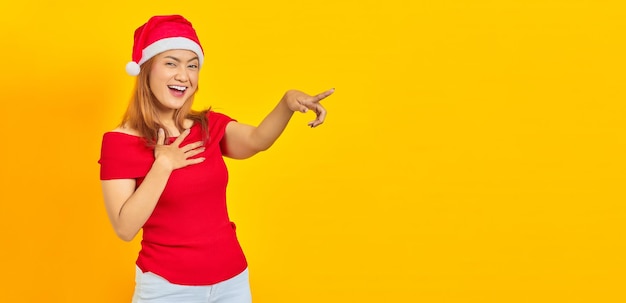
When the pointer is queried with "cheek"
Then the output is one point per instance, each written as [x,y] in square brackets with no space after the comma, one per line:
[153,85]
[152,79]
[156,81]
[193,78]
[158,73]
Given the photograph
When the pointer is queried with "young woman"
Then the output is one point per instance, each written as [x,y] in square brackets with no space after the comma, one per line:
[162,171]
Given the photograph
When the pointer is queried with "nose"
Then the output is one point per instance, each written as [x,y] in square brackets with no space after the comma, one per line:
[182,74]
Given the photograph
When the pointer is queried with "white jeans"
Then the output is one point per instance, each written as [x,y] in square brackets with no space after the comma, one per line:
[151,288]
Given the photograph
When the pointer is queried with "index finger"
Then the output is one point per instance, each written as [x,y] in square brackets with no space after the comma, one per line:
[160,137]
[319,97]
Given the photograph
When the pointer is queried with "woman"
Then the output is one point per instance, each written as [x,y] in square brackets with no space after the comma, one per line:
[162,171]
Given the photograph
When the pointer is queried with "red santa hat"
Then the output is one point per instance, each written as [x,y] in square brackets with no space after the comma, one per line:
[159,34]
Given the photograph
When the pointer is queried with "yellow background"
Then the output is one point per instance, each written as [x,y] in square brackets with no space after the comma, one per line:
[474,150]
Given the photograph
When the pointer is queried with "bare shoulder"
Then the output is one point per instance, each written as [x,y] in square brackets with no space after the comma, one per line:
[125,130]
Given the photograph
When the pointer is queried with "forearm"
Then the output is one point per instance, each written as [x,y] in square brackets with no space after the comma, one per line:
[140,205]
[243,141]
[272,126]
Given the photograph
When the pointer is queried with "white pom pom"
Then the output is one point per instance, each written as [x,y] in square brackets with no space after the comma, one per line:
[132,68]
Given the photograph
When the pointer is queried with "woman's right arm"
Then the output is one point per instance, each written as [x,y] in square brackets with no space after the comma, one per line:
[129,208]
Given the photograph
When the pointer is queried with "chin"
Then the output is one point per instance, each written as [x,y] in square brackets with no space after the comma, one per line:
[176,104]
[176,107]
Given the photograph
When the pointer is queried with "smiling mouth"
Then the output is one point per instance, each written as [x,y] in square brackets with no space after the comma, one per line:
[181,89]
[177,91]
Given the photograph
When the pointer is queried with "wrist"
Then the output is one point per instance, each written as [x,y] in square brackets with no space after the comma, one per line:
[162,165]
[289,102]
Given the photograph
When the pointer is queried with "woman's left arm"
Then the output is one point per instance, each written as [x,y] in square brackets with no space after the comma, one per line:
[243,141]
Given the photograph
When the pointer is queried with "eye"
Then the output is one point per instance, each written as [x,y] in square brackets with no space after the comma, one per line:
[193,66]
[170,64]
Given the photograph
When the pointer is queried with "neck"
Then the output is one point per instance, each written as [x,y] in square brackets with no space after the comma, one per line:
[166,116]
[166,119]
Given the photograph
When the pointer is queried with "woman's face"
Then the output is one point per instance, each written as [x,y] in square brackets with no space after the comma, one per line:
[174,78]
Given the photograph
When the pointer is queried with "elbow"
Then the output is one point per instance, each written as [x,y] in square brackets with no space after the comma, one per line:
[253,150]
[125,238]
[259,142]
[262,148]
[125,235]
[245,153]
[257,146]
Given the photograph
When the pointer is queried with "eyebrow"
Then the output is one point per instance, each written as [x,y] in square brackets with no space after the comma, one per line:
[178,60]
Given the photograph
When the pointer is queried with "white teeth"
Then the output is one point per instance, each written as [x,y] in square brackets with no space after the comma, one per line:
[176,87]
